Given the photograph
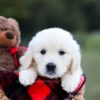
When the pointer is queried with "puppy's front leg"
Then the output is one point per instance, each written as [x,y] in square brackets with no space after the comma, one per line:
[70,81]
[27,76]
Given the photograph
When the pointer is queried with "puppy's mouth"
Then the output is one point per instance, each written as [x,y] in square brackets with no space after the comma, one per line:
[51,75]
[50,72]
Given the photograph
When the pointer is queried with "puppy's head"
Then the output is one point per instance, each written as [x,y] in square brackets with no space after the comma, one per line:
[54,52]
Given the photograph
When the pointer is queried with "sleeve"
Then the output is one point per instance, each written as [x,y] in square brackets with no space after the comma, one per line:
[80,94]
[11,87]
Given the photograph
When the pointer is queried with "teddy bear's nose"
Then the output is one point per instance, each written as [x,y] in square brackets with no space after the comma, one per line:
[9,35]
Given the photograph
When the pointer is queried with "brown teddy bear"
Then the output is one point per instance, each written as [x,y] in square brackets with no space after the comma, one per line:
[9,37]
[10,52]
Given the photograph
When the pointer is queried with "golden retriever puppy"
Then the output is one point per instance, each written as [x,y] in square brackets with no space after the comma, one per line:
[52,53]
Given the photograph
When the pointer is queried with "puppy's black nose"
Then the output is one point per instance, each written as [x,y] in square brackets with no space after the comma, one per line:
[51,67]
[9,35]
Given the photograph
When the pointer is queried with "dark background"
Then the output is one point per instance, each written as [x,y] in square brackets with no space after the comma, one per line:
[34,15]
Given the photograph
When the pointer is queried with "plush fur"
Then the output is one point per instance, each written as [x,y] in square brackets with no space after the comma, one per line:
[9,37]
[12,26]
[57,47]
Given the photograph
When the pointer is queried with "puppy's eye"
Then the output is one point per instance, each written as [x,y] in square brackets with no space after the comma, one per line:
[61,52]
[43,52]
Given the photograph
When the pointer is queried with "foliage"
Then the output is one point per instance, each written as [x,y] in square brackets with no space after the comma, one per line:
[93,42]
[91,66]
[73,15]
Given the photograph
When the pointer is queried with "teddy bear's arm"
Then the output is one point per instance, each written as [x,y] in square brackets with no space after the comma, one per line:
[80,94]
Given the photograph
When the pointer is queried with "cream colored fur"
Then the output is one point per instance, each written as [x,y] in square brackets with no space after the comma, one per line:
[68,66]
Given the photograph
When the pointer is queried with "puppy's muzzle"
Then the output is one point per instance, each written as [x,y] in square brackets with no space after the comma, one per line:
[50,68]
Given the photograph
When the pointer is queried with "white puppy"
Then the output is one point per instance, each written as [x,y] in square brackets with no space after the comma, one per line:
[52,53]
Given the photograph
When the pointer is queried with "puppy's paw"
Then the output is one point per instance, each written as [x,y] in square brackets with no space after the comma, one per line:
[68,86]
[70,82]
[27,77]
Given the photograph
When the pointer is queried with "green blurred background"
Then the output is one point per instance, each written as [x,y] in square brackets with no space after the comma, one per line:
[81,17]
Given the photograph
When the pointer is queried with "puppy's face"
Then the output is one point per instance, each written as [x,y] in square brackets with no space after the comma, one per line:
[52,59]
[51,53]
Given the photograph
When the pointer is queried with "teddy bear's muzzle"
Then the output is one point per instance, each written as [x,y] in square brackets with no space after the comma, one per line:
[9,35]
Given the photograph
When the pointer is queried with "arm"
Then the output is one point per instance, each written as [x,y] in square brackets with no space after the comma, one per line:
[80,94]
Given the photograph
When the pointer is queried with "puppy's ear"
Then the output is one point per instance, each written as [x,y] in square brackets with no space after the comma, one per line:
[73,66]
[72,76]
[26,59]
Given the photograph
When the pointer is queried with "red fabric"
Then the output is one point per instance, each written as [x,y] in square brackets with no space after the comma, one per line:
[13,52]
[45,88]
[39,90]
[81,83]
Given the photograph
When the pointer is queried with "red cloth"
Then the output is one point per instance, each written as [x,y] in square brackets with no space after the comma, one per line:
[39,92]
[47,89]
[13,52]
[81,83]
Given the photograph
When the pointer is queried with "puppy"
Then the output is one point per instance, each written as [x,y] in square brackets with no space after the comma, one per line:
[52,53]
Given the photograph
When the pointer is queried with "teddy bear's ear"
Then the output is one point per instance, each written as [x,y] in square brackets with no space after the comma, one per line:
[4,23]
[13,23]
[26,59]
[2,19]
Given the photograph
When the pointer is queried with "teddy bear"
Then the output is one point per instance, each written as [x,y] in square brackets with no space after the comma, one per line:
[10,52]
[9,38]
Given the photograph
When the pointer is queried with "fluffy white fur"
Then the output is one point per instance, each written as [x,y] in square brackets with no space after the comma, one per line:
[68,66]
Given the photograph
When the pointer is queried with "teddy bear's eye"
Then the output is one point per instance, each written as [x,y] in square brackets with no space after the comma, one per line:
[43,51]
[61,52]
[2,29]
